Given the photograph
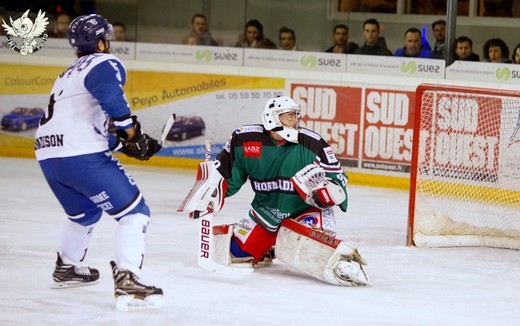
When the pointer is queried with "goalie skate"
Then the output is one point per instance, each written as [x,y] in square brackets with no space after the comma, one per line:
[132,295]
[70,276]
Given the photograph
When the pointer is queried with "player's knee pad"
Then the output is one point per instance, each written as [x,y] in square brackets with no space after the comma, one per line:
[319,255]
[130,241]
[318,218]
[75,239]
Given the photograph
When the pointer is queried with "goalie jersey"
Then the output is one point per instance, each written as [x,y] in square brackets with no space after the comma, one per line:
[252,154]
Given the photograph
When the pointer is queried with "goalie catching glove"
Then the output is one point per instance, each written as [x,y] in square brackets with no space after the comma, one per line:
[140,146]
[316,189]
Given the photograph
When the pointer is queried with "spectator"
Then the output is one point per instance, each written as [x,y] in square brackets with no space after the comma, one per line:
[61,26]
[199,31]
[464,49]
[496,50]
[516,55]
[413,46]
[253,37]
[287,39]
[439,32]
[341,43]
[374,45]
[191,40]
[515,8]
[120,32]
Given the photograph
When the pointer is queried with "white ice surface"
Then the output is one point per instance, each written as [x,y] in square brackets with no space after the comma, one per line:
[411,286]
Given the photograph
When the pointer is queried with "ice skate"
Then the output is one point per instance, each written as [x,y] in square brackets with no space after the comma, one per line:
[69,275]
[266,259]
[131,294]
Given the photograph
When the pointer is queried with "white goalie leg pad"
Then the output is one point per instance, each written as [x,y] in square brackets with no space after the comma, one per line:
[75,239]
[207,193]
[130,242]
[222,235]
[319,255]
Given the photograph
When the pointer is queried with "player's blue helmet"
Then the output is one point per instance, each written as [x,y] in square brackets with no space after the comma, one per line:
[85,31]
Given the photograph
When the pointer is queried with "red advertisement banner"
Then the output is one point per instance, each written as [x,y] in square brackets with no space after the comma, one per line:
[334,113]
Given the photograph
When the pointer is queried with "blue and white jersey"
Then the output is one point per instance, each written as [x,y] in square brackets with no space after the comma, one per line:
[83,98]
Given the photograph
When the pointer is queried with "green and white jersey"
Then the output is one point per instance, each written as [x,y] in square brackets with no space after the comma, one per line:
[252,154]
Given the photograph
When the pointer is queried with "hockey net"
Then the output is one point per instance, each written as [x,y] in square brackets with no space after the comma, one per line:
[465,176]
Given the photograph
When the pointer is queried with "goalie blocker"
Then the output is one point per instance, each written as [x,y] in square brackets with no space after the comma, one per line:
[306,249]
[207,194]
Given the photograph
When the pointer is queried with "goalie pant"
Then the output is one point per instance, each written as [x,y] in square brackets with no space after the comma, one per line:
[308,250]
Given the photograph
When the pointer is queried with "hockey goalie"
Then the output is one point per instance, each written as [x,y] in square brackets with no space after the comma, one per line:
[297,181]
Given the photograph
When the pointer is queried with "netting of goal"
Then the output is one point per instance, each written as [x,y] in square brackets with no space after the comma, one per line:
[465,176]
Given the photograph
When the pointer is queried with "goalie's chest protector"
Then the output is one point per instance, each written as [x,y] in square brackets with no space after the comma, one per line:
[269,167]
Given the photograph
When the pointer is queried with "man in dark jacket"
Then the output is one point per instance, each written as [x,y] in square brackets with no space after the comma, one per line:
[374,45]
[464,49]
[341,43]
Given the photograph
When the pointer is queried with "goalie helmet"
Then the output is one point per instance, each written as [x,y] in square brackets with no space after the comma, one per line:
[271,117]
[85,32]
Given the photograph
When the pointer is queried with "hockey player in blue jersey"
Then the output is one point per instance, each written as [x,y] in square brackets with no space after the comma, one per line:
[73,146]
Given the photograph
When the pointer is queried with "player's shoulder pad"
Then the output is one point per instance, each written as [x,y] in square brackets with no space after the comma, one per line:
[309,133]
[249,129]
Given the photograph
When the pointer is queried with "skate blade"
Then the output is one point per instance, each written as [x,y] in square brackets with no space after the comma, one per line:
[69,285]
[129,303]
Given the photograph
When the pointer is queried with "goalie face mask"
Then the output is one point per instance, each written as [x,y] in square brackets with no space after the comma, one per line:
[282,115]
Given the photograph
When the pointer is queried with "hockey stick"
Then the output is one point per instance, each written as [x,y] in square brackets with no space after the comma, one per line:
[167,127]
[206,243]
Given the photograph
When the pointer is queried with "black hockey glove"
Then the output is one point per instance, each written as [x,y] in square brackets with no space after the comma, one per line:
[141,146]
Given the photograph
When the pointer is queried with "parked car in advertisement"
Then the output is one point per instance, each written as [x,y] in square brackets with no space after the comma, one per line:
[22,118]
[186,127]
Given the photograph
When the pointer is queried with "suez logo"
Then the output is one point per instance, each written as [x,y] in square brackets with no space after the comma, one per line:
[120,50]
[506,74]
[208,55]
[312,61]
[411,67]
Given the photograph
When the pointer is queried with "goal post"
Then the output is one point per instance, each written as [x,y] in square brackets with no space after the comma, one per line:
[465,169]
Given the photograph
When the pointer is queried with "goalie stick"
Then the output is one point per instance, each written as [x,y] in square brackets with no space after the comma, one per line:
[205,240]
[167,127]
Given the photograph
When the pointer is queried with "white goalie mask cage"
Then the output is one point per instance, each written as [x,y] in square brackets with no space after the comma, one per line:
[271,120]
